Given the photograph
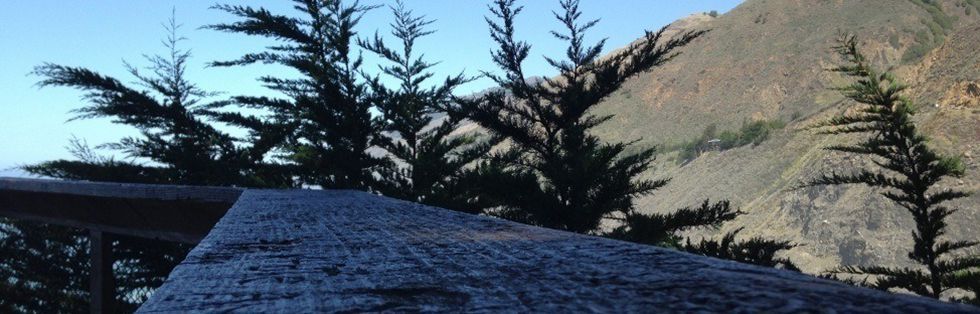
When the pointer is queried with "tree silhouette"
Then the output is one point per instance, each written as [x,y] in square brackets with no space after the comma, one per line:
[553,172]
[44,268]
[176,145]
[666,230]
[430,162]
[170,114]
[907,172]
[755,250]
[326,113]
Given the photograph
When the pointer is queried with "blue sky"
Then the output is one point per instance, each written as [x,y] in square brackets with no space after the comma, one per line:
[101,34]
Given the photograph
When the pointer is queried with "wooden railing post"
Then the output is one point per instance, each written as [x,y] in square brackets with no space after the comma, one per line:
[102,287]
[108,210]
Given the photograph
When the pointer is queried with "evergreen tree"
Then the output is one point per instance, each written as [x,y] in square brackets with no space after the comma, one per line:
[176,145]
[429,161]
[44,268]
[666,230]
[326,110]
[553,172]
[908,173]
[755,250]
[181,146]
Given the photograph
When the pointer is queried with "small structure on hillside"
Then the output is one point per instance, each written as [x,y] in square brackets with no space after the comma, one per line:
[714,145]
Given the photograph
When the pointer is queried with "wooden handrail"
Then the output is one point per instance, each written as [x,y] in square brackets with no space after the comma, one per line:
[350,251]
[304,251]
[164,212]
[213,194]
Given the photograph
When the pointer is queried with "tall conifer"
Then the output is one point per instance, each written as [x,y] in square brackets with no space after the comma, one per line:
[429,162]
[907,172]
[553,172]
[325,109]
[176,145]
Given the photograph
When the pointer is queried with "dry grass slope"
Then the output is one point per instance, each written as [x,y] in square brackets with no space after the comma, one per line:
[765,60]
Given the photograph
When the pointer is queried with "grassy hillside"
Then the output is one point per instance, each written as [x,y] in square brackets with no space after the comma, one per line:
[764,60]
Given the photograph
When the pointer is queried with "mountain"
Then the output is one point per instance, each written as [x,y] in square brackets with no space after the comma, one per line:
[766,60]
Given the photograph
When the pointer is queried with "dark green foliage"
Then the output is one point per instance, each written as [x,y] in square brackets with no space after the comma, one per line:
[90,166]
[923,44]
[44,268]
[552,171]
[692,149]
[753,133]
[713,13]
[908,173]
[972,6]
[568,178]
[938,25]
[177,145]
[758,251]
[326,115]
[428,161]
[182,146]
[141,265]
[664,229]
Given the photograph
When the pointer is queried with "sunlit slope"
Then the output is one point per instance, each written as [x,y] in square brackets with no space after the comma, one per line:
[766,60]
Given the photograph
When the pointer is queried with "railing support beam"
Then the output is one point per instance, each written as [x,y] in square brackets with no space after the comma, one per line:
[102,287]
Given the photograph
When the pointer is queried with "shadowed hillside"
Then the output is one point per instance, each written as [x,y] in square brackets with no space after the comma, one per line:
[765,60]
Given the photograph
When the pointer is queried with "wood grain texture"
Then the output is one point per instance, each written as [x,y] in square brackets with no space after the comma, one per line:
[173,213]
[123,190]
[345,251]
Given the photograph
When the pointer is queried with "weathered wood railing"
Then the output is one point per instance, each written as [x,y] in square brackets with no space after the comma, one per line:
[331,251]
[172,213]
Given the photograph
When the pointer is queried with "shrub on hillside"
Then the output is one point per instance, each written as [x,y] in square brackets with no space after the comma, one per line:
[753,133]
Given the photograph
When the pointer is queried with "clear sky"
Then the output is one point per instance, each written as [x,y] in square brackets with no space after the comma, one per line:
[100,34]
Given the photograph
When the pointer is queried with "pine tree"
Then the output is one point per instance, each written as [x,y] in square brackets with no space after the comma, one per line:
[907,172]
[175,137]
[553,172]
[176,145]
[326,111]
[429,162]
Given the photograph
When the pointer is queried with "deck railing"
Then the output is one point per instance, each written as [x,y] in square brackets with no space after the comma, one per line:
[350,251]
[171,213]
